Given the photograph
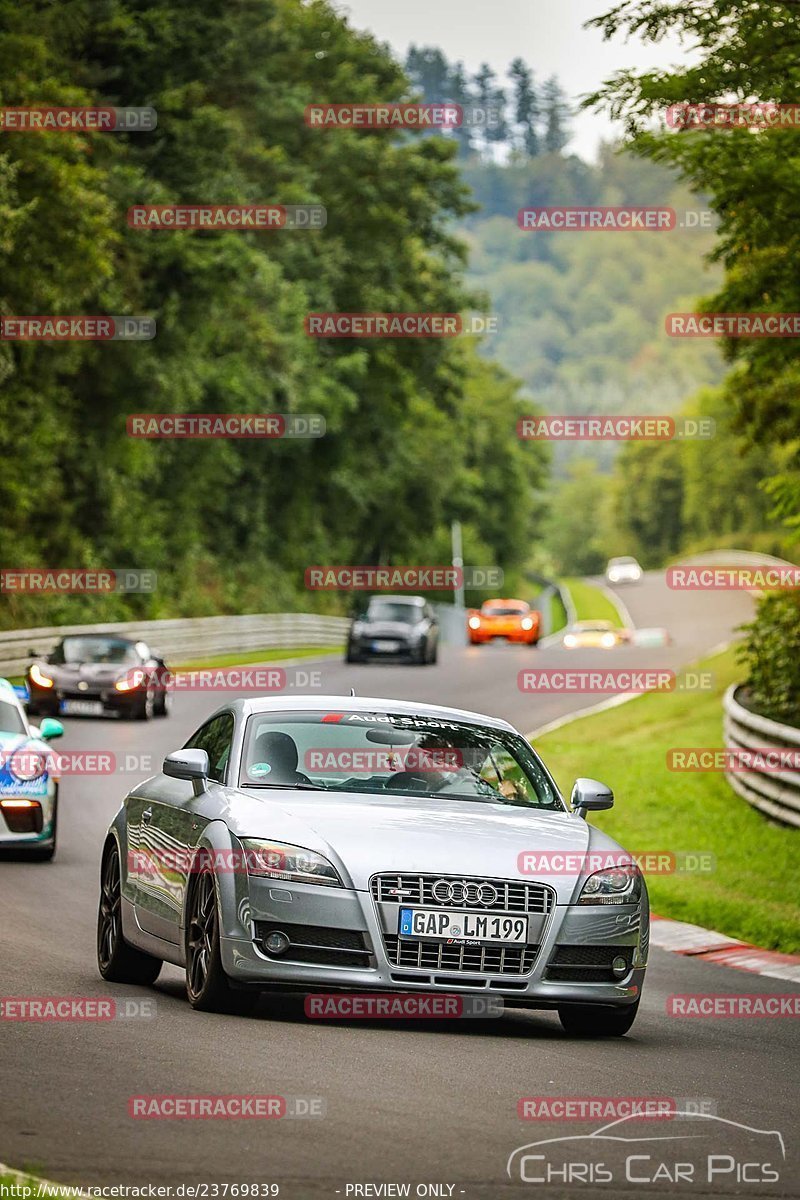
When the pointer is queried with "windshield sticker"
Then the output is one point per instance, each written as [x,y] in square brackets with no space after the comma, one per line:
[259,769]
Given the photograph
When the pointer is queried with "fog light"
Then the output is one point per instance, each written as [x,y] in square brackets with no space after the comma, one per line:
[619,966]
[277,942]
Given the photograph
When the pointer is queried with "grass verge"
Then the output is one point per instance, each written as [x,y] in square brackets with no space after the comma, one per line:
[255,656]
[747,894]
[592,604]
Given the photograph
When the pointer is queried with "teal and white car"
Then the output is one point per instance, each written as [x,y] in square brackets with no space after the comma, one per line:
[28,783]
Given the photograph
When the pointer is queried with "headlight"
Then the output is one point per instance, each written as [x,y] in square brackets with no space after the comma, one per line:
[38,676]
[527,623]
[292,864]
[474,622]
[129,682]
[616,885]
[608,639]
[27,765]
[570,640]
[358,627]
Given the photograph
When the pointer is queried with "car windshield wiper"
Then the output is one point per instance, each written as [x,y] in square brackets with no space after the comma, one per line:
[292,787]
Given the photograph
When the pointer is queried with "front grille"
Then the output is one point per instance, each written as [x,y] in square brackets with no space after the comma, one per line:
[418,889]
[586,964]
[319,944]
[441,956]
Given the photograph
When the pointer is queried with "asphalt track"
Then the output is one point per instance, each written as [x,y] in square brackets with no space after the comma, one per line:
[422,1103]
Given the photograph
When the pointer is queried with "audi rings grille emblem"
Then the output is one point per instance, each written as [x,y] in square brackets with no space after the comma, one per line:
[463,891]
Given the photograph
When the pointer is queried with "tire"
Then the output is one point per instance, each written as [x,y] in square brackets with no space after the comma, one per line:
[146,707]
[597,1020]
[208,988]
[434,655]
[351,656]
[117,961]
[163,705]
[46,853]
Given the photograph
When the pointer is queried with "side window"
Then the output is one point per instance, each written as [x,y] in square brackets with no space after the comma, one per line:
[215,737]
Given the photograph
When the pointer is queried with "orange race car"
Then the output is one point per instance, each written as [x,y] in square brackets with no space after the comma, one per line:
[513,620]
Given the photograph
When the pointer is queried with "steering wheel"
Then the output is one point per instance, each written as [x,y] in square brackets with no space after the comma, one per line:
[405,779]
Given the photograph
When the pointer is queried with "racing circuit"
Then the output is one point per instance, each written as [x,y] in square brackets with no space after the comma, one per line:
[433,1102]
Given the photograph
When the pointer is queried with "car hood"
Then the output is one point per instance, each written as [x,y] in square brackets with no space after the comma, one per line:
[395,629]
[365,834]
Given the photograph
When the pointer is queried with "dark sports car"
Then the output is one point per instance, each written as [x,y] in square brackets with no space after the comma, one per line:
[88,675]
[394,627]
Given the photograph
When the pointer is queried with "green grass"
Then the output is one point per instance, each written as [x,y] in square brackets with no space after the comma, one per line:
[747,895]
[557,613]
[255,656]
[591,604]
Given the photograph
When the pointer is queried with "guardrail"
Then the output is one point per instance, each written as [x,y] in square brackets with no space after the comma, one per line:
[775,793]
[183,639]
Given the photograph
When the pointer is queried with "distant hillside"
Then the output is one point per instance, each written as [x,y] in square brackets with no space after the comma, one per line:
[582,313]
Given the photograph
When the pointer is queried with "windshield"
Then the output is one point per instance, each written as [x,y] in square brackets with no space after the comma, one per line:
[500,610]
[396,753]
[10,718]
[94,649]
[388,610]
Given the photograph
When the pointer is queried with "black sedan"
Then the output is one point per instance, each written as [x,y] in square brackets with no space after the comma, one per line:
[394,627]
[88,675]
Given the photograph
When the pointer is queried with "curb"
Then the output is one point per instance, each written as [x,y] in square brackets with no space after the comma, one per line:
[693,941]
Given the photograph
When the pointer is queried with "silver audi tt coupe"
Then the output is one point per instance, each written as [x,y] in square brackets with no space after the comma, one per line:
[340,844]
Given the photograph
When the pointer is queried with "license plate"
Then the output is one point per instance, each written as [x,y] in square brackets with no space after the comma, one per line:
[446,925]
[81,708]
[388,647]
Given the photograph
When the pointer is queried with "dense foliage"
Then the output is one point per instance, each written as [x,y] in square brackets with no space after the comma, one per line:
[419,431]
[771,652]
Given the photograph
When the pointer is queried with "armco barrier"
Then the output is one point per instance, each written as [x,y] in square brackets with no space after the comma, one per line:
[183,639]
[775,793]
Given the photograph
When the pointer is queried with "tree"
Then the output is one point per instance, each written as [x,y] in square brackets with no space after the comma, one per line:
[526,106]
[555,111]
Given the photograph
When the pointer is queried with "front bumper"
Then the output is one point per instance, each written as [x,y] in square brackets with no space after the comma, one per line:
[362,921]
[47,701]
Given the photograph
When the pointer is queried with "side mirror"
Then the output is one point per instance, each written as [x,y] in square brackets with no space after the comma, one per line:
[589,795]
[50,728]
[188,764]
